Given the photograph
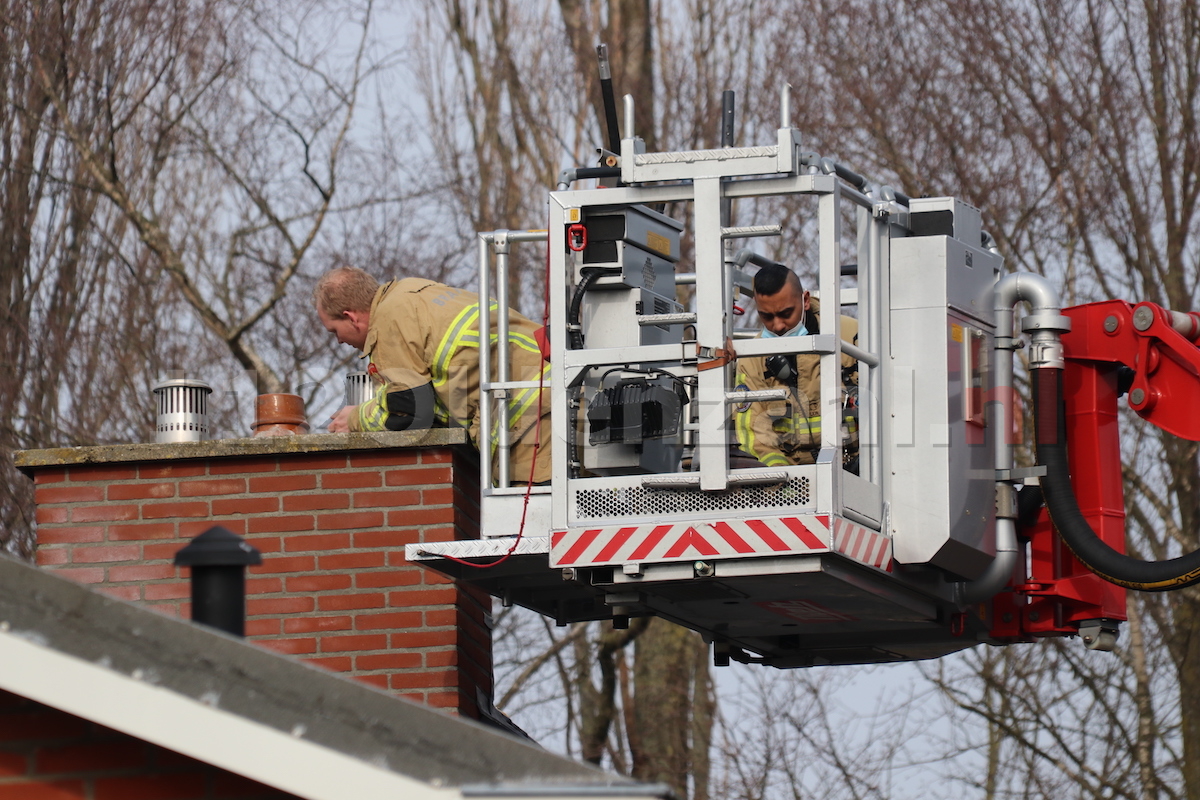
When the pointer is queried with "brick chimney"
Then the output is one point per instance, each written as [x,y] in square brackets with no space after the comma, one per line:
[331,515]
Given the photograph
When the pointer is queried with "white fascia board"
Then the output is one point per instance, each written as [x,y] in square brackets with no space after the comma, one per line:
[188,726]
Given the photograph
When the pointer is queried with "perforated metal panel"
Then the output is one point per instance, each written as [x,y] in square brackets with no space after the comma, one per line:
[636,501]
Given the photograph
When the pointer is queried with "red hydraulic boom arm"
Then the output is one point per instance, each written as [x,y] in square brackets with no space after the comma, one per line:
[1147,353]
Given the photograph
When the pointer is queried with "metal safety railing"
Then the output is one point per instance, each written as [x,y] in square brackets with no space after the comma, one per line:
[494,391]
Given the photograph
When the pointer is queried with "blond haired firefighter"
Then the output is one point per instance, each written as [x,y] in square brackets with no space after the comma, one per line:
[423,339]
[785,432]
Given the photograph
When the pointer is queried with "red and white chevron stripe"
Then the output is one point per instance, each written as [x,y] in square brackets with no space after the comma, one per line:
[862,544]
[771,536]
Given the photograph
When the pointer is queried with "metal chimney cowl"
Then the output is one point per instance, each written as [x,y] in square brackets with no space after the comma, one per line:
[182,410]
[358,388]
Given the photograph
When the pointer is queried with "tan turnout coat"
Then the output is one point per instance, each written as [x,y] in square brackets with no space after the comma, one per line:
[785,432]
[426,332]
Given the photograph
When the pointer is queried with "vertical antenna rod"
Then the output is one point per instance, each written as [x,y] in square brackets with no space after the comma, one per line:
[727,98]
[727,118]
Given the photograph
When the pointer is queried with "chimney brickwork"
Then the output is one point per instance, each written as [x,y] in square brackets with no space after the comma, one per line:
[331,516]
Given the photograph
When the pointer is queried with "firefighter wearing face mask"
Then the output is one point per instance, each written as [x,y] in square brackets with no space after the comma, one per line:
[786,432]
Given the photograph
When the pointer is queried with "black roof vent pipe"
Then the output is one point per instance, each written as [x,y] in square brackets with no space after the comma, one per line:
[218,559]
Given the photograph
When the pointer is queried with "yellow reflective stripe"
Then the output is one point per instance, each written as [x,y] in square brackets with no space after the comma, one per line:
[372,415]
[797,424]
[522,340]
[450,342]
[522,400]
[742,419]
[744,428]
[745,432]
[517,406]
[440,412]
[459,334]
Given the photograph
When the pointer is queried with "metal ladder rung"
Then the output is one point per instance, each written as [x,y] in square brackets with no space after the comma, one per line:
[759,396]
[682,318]
[750,231]
[697,156]
[678,481]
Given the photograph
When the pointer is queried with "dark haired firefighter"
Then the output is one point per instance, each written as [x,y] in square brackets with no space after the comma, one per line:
[785,432]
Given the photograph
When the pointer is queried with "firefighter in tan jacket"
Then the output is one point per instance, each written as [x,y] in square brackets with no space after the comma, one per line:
[785,432]
[423,339]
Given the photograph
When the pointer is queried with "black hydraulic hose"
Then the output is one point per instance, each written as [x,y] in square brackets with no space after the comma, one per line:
[850,176]
[609,100]
[582,173]
[1100,558]
[574,324]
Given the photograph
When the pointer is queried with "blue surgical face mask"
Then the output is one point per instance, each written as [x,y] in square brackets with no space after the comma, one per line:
[799,330]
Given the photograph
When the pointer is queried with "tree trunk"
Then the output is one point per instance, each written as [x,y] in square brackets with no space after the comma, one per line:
[669,690]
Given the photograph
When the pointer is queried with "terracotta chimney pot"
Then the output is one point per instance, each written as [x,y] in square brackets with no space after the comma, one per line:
[279,415]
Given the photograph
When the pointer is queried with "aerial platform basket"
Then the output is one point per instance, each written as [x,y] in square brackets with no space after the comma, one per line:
[898,557]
